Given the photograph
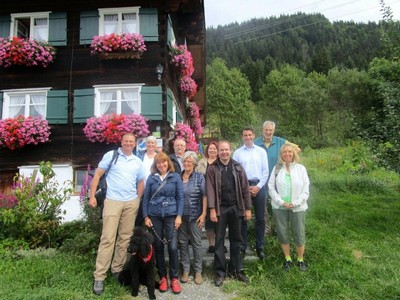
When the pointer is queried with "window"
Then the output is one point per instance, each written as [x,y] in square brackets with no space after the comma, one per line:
[81,179]
[25,102]
[120,99]
[31,25]
[119,20]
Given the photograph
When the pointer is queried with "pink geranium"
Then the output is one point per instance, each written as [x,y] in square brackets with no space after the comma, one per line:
[188,86]
[118,42]
[183,131]
[110,128]
[193,112]
[25,52]
[17,132]
[182,60]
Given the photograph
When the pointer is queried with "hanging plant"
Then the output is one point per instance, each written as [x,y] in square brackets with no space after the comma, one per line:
[181,59]
[193,113]
[183,131]
[17,132]
[110,128]
[188,86]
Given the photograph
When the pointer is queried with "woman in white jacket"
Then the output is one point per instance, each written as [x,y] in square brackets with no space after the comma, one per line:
[289,190]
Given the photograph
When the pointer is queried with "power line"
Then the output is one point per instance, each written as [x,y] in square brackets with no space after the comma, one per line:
[306,25]
[237,34]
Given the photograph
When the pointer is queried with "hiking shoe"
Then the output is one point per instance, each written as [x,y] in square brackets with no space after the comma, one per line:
[116,275]
[260,253]
[302,266]
[175,286]
[241,277]
[163,285]
[98,287]
[219,280]
[198,279]
[287,265]
[211,249]
[185,277]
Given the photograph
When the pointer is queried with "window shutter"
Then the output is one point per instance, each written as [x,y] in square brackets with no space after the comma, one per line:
[1,106]
[170,110]
[151,97]
[148,18]
[58,29]
[170,31]
[89,26]
[57,107]
[83,105]
[5,21]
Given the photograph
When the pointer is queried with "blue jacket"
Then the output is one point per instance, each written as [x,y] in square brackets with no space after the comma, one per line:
[168,201]
[195,192]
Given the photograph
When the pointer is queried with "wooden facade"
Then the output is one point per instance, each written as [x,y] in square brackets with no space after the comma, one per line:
[75,70]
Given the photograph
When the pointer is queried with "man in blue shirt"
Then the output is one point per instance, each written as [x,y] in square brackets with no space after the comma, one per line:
[254,161]
[125,185]
[272,145]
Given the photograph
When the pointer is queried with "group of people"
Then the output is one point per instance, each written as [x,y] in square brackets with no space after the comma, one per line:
[177,195]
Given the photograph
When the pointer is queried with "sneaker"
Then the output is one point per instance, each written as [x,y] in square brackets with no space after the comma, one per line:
[219,280]
[185,277]
[287,265]
[211,249]
[198,279]
[163,285]
[242,277]
[302,266]
[175,286]
[260,253]
[98,287]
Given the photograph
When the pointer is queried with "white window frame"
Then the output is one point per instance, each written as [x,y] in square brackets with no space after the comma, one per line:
[117,87]
[32,17]
[27,93]
[119,11]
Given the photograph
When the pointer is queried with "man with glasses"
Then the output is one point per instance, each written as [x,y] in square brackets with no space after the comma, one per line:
[176,157]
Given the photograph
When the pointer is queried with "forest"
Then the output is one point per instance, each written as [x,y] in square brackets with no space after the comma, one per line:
[323,83]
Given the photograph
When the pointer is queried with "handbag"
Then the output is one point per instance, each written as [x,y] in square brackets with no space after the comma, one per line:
[101,190]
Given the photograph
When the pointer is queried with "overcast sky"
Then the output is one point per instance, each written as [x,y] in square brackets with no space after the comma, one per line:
[222,12]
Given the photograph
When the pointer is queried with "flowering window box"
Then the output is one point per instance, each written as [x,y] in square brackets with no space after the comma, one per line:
[181,59]
[17,132]
[110,128]
[118,46]
[15,51]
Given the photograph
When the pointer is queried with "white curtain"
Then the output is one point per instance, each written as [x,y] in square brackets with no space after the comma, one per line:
[40,30]
[129,97]
[39,105]
[129,23]
[17,105]
[105,102]
[110,24]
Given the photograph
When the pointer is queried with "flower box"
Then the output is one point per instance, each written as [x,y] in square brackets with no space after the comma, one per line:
[181,59]
[119,55]
[110,128]
[118,46]
[15,51]
[17,132]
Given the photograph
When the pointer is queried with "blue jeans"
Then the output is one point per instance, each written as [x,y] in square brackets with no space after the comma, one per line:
[165,229]
[259,210]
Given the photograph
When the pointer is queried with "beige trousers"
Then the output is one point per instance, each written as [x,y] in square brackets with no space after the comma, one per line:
[118,222]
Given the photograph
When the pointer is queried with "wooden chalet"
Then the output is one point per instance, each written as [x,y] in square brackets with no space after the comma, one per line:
[72,85]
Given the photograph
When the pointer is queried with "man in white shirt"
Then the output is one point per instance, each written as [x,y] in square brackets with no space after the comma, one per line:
[254,160]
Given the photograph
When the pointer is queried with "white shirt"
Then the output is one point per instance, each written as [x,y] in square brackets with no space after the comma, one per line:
[254,161]
[147,163]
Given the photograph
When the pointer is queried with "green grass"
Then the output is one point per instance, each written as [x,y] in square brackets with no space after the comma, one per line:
[352,245]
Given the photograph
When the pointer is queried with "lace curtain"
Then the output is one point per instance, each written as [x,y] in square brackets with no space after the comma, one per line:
[40,29]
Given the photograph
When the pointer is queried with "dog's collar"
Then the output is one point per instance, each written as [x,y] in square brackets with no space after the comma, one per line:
[148,257]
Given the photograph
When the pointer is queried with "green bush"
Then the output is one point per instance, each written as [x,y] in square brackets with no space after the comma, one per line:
[35,215]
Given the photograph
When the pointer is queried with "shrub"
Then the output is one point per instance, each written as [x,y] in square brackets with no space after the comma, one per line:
[37,215]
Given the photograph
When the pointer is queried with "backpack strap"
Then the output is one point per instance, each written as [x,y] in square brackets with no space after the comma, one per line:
[113,160]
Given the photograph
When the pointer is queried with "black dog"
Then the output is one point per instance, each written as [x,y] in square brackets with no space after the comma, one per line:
[139,269]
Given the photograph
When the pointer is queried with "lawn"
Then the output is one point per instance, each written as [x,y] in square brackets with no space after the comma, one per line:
[352,245]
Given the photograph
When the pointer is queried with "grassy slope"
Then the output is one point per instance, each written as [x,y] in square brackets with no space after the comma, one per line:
[352,248]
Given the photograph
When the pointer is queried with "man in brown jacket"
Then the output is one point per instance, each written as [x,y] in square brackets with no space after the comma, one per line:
[229,202]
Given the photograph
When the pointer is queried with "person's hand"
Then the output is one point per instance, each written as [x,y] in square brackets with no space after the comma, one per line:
[213,215]
[288,205]
[201,221]
[147,222]
[247,215]
[92,202]
[178,221]
[254,190]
